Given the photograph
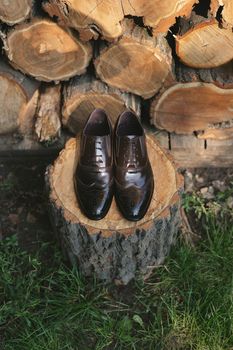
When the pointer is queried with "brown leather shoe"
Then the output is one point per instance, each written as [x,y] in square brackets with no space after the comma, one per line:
[133,174]
[93,178]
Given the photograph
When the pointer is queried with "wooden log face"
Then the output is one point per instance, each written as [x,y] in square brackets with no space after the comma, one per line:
[133,67]
[216,134]
[205,46]
[227,11]
[92,15]
[12,100]
[46,51]
[185,108]
[158,14]
[16,11]
[62,192]
[76,113]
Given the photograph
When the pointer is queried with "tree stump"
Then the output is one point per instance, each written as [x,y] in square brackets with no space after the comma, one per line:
[114,249]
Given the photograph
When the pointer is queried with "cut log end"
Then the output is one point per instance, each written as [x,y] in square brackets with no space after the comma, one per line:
[185,108]
[137,63]
[108,246]
[12,12]
[84,94]
[160,15]
[17,94]
[92,18]
[205,46]
[12,100]
[226,12]
[60,55]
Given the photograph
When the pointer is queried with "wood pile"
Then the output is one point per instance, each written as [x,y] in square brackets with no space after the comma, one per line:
[170,61]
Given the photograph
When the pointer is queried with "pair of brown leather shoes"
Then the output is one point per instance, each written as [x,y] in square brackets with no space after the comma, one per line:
[106,168]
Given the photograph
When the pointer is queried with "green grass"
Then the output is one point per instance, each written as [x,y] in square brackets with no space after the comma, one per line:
[186,304]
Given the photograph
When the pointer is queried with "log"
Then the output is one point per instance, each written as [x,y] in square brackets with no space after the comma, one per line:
[160,15]
[94,18]
[12,12]
[221,76]
[114,249]
[46,51]
[206,45]
[90,18]
[18,100]
[190,107]
[137,63]
[226,8]
[84,94]
[217,133]
[48,115]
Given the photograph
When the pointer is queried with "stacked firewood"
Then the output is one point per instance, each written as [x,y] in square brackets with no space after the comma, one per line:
[61,59]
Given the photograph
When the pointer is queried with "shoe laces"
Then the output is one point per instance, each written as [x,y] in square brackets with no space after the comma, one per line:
[132,158]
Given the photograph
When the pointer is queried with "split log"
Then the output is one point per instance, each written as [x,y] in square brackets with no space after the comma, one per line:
[83,94]
[12,12]
[190,107]
[90,18]
[18,100]
[137,63]
[206,45]
[114,249]
[48,115]
[46,51]
[226,12]
[160,15]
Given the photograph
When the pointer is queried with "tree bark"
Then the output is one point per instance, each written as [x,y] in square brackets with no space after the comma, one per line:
[137,63]
[18,100]
[83,94]
[48,115]
[47,52]
[114,249]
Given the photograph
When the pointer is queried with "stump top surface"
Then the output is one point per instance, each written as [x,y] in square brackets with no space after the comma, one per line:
[62,193]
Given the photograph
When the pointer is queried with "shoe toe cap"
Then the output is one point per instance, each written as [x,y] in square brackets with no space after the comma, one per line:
[134,204]
[95,204]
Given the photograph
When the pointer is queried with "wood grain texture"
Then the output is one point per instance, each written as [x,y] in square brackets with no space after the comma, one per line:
[207,45]
[84,94]
[48,114]
[16,92]
[15,11]
[185,108]
[160,15]
[47,52]
[136,63]
[217,134]
[226,13]
[90,18]
[107,247]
